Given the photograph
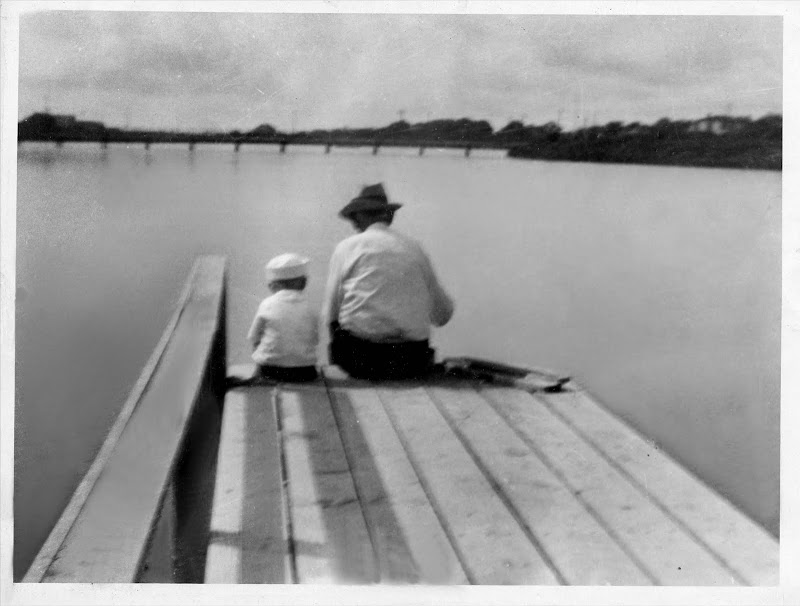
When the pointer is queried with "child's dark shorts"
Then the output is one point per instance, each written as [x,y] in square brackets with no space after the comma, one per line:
[287,374]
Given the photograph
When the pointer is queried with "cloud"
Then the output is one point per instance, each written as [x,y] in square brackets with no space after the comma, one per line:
[660,51]
[239,69]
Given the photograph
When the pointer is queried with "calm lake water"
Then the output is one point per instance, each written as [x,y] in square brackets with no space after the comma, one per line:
[658,288]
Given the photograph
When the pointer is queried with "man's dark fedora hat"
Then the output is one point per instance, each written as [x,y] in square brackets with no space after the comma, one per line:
[372,197]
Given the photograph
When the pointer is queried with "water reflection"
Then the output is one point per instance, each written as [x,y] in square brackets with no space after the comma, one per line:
[36,153]
[46,153]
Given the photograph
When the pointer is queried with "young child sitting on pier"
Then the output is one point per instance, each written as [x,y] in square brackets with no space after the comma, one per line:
[284,333]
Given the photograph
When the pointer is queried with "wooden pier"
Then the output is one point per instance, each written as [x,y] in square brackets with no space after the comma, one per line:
[446,481]
[456,482]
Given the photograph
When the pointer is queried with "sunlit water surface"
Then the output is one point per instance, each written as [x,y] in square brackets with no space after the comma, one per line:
[658,288]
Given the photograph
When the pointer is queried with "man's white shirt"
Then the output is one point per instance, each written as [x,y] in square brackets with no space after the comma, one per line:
[382,287]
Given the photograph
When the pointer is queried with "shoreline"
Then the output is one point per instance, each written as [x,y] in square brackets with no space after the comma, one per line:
[711,142]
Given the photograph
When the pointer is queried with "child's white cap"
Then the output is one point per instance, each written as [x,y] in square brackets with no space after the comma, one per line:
[286,266]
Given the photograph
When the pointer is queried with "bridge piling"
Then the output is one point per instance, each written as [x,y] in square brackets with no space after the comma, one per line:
[283,147]
[467,150]
[236,146]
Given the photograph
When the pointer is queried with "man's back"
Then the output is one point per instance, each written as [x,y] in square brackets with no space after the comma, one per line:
[382,287]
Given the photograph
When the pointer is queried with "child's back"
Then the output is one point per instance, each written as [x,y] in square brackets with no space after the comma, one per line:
[285,331]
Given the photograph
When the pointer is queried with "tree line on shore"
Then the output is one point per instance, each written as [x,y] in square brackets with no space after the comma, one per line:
[713,141]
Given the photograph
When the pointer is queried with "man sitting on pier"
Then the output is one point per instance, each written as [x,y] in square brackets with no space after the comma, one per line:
[382,296]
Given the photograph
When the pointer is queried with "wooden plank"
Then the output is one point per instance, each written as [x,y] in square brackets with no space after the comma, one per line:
[159,566]
[224,557]
[249,542]
[575,542]
[746,547]
[330,538]
[490,542]
[409,542]
[667,552]
[107,541]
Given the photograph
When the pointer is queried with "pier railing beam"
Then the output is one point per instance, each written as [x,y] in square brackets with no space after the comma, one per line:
[142,512]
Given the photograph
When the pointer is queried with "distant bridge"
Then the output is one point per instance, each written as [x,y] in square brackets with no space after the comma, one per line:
[281,140]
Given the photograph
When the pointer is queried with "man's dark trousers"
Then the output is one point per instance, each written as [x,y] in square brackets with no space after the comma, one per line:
[362,359]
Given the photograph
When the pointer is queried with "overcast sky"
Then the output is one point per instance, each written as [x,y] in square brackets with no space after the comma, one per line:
[224,71]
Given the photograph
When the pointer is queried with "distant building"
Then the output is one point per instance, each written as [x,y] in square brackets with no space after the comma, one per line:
[717,125]
[707,125]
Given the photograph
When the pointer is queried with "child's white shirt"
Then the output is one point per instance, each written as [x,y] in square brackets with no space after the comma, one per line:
[285,331]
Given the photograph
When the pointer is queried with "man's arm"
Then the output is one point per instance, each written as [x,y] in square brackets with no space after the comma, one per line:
[332,299]
[442,306]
